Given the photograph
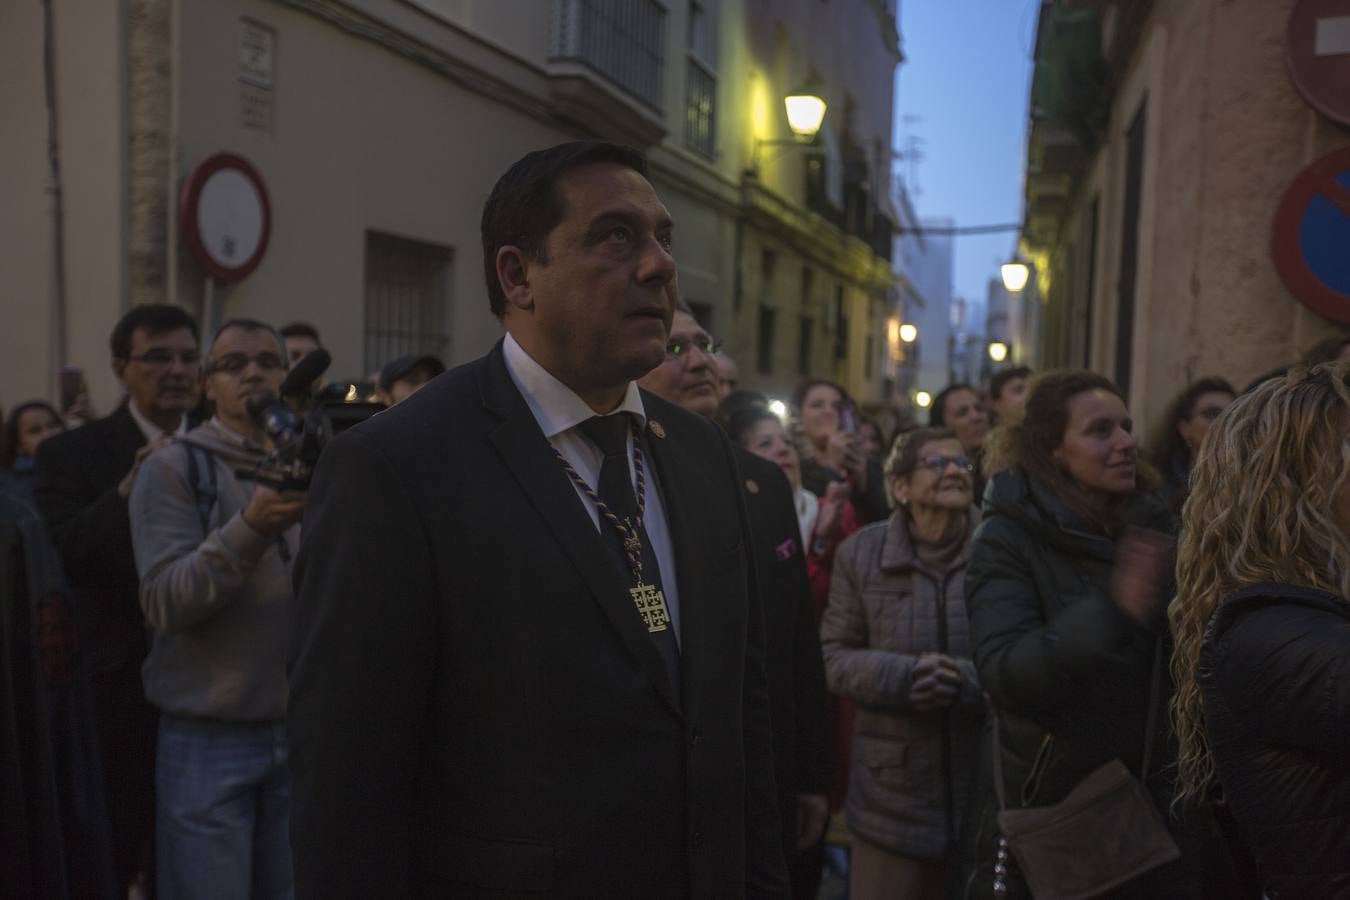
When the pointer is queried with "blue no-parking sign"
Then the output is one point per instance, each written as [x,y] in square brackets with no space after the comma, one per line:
[1310,238]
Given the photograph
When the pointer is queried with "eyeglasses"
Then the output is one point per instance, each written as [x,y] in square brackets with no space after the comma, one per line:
[939,464]
[234,363]
[708,345]
[162,357]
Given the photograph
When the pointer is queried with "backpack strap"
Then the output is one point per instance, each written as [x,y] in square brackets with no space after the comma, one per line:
[202,477]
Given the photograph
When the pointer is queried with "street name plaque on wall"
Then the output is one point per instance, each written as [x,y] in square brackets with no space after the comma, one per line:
[226,217]
[1310,237]
[1317,50]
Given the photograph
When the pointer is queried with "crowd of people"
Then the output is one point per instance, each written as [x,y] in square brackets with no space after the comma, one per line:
[585,618]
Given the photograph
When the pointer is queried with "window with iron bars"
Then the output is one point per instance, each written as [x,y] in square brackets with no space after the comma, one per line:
[407,304]
[700,84]
[621,40]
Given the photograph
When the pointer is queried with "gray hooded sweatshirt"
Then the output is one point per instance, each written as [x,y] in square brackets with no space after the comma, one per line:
[216,598]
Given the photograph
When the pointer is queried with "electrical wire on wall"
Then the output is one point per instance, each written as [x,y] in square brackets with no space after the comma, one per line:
[58,323]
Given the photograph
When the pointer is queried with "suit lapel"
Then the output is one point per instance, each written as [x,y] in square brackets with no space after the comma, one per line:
[529,457]
[672,469]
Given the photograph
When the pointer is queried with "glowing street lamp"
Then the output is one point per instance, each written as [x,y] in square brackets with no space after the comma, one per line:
[923,399]
[998,351]
[778,408]
[909,333]
[1015,275]
[805,111]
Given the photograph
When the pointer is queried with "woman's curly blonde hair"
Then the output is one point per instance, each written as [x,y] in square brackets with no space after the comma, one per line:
[1261,508]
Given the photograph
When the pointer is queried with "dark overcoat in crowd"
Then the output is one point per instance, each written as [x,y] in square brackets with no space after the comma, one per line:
[76,492]
[1065,667]
[1275,677]
[475,707]
[801,734]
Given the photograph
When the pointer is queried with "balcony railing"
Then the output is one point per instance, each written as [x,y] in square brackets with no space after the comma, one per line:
[621,40]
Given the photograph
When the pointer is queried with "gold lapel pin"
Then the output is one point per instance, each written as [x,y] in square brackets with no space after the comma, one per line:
[658,429]
[752,486]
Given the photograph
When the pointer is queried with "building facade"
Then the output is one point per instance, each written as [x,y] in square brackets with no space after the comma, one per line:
[379,126]
[1163,135]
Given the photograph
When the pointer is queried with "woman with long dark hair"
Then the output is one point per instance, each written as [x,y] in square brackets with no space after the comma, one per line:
[1182,428]
[1065,594]
[826,419]
[1262,626]
[27,427]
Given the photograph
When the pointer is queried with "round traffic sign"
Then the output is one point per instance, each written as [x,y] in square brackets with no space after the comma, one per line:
[1317,51]
[1310,237]
[226,216]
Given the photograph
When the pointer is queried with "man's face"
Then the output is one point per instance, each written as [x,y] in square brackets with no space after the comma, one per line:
[162,372]
[728,376]
[243,365]
[1011,402]
[602,304]
[688,376]
[408,385]
[298,346]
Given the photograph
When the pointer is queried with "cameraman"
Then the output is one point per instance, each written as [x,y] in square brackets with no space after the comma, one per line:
[213,550]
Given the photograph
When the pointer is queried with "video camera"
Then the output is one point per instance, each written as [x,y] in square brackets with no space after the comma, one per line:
[301,421]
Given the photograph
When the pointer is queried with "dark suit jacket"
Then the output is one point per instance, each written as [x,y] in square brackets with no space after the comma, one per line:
[78,474]
[475,706]
[801,739]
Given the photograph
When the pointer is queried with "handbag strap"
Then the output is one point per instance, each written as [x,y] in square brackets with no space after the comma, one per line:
[1000,791]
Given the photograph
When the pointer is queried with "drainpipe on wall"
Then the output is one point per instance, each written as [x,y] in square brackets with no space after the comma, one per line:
[58,343]
[171,170]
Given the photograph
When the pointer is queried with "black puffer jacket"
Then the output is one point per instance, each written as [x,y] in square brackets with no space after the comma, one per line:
[1275,677]
[1064,667]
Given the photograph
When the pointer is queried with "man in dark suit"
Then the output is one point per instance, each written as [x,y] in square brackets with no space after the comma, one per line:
[84,479]
[527,653]
[801,741]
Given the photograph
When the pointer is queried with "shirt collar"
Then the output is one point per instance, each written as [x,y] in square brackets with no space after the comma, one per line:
[150,429]
[556,407]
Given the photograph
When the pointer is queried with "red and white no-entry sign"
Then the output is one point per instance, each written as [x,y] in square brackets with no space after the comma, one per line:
[1317,48]
[226,216]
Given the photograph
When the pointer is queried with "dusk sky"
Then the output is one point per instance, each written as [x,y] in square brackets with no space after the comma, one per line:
[966,76]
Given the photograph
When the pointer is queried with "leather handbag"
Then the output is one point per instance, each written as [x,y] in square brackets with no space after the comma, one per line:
[1105,833]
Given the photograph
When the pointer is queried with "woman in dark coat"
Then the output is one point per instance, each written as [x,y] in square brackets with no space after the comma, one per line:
[1066,614]
[1262,625]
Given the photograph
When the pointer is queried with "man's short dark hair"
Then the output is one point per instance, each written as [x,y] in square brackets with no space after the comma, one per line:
[252,325]
[300,329]
[155,319]
[525,204]
[1001,379]
[937,414]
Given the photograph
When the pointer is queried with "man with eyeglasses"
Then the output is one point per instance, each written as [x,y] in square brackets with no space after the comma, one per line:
[83,481]
[801,747]
[214,548]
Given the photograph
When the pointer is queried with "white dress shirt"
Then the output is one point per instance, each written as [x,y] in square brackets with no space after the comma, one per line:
[559,411]
[150,429]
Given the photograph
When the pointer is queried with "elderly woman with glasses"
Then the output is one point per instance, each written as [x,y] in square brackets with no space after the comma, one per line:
[896,641]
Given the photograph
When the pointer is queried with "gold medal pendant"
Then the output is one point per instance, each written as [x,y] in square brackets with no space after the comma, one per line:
[651,605]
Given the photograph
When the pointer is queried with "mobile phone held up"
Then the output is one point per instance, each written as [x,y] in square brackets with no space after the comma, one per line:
[71,380]
[848,418]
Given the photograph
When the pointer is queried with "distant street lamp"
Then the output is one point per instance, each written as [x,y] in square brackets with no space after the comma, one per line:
[805,110]
[1015,276]
[778,408]
[909,333]
[998,351]
[923,399]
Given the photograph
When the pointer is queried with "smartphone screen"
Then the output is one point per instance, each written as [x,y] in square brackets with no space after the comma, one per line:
[71,380]
[848,419]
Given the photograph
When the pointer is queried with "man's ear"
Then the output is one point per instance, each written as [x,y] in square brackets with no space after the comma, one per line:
[119,367]
[513,274]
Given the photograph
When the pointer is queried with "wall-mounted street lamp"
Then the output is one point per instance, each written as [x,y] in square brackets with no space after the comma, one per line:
[1015,275]
[778,408]
[805,109]
[909,333]
[923,399]
[998,351]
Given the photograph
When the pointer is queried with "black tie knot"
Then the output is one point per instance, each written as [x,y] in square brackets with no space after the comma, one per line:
[609,433]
